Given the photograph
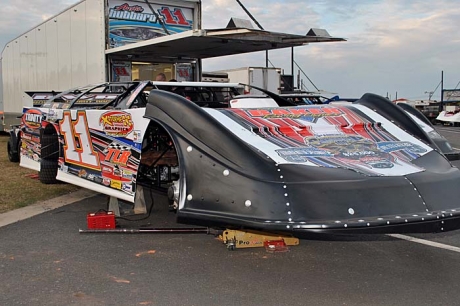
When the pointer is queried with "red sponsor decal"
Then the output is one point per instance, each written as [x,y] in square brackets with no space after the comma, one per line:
[296,112]
[32,118]
[118,156]
[117,123]
[127,8]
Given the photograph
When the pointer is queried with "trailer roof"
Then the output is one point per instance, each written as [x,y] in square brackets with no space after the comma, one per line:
[204,43]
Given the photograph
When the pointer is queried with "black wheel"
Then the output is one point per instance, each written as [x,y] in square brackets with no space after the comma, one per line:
[12,156]
[49,146]
[48,171]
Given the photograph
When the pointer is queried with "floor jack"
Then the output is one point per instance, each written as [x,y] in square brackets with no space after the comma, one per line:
[104,222]
[233,239]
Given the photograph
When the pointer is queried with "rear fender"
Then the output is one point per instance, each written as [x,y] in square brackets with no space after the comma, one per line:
[395,114]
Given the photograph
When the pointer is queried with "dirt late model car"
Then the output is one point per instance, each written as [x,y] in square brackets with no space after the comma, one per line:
[361,167]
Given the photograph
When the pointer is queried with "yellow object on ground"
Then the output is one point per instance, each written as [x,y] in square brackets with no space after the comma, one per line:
[254,239]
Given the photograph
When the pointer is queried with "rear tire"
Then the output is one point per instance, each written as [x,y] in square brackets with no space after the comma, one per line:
[12,156]
[49,146]
[48,171]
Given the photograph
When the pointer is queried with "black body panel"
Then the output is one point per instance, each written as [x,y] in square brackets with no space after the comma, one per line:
[226,182]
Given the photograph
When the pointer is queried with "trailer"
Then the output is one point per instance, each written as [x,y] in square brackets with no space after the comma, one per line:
[117,41]
[2,123]
[262,77]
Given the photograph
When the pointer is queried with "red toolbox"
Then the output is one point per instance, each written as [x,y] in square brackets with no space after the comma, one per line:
[101,220]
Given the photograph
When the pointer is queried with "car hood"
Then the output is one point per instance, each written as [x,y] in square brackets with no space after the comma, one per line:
[341,136]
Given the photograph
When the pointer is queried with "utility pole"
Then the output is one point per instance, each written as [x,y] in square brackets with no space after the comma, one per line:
[442,87]
[292,68]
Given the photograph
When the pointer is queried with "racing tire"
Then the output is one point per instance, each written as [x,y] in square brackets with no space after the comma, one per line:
[12,156]
[48,171]
[49,146]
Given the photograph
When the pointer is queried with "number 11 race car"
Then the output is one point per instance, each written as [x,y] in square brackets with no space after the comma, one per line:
[266,164]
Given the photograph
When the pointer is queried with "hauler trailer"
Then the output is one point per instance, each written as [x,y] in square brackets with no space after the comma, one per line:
[264,77]
[112,40]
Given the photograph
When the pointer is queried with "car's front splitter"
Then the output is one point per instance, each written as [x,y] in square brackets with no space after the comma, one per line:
[427,222]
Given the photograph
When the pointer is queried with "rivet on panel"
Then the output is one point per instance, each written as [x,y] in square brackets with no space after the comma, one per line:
[247,203]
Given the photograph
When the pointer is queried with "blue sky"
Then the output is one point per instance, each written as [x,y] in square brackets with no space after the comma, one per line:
[392,45]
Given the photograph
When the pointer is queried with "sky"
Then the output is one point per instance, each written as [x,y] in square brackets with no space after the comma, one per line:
[394,48]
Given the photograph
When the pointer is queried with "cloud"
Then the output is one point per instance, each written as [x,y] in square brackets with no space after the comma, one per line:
[19,16]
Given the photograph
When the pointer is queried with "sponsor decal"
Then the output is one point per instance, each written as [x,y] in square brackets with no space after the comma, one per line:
[32,118]
[127,187]
[106,181]
[117,171]
[137,136]
[391,146]
[350,149]
[116,123]
[119,157]
[115,184]
[300,155]
[136,13]
[127,175]
[26,136]
[82,173]
[309,114]
[131,22]
[106,169]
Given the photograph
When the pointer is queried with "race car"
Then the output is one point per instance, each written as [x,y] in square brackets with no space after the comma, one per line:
[361,167]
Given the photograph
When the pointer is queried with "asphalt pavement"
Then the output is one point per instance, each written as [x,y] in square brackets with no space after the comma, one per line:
[44,260]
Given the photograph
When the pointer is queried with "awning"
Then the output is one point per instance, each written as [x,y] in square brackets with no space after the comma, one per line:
[203,44]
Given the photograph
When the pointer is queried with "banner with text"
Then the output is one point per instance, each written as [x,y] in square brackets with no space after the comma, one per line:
[131,22]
